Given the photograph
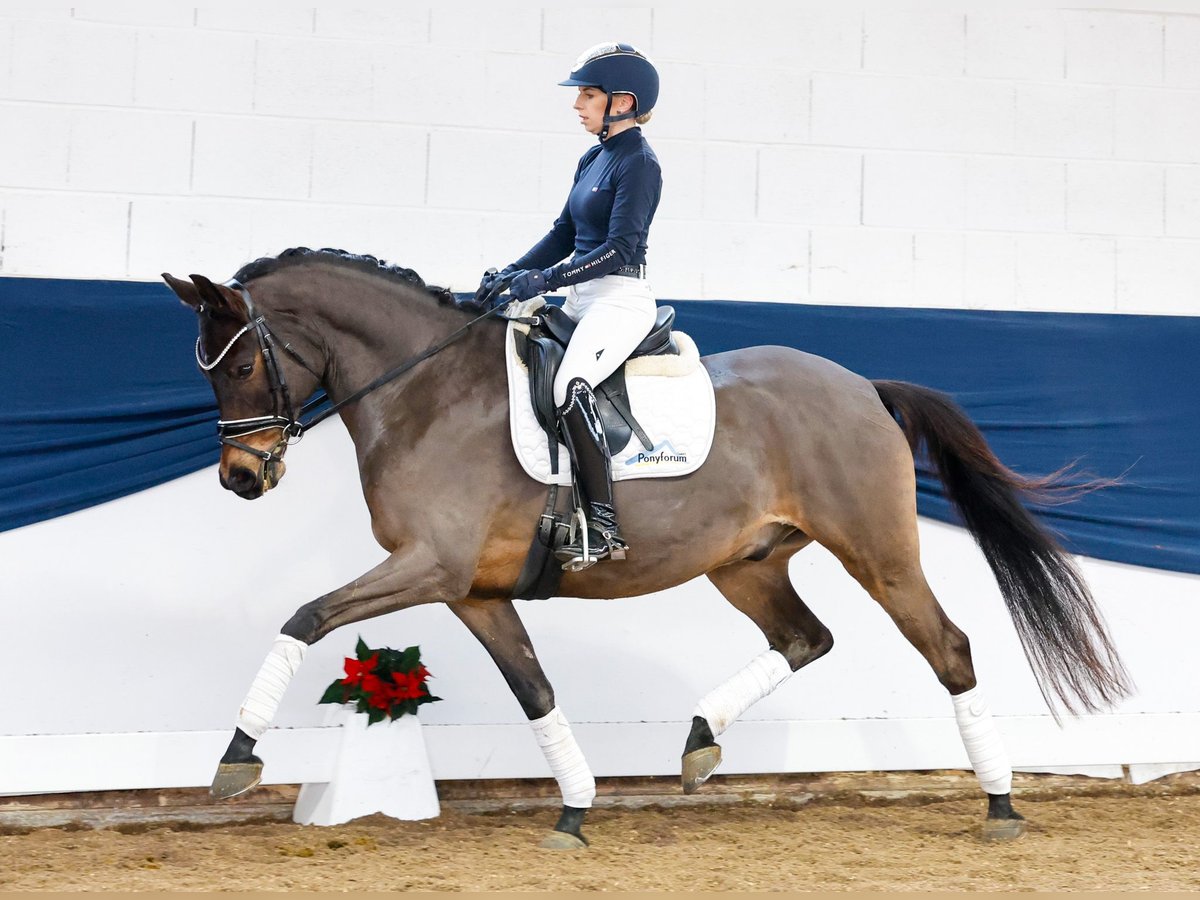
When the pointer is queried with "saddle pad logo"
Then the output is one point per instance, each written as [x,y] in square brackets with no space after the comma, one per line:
[663,452]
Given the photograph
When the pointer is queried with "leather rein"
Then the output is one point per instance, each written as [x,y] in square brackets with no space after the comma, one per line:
[284,416]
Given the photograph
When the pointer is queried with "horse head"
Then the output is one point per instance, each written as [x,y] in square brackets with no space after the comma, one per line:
[254,386]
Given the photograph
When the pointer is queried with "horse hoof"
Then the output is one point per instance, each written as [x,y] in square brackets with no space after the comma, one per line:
[1003,829]
[561,840]
[699,765]
[235,778]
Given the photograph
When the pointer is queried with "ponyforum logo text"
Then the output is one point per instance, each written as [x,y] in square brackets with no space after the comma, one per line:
[662,452]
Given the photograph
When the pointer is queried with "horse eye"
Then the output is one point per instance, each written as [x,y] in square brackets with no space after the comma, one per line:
[244,371]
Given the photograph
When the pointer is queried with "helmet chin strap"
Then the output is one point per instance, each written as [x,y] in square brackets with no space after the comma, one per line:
[609,118]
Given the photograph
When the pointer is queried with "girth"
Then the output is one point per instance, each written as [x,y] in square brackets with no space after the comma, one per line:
[542,350]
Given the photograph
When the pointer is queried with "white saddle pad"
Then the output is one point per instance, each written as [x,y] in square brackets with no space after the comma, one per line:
[671,397]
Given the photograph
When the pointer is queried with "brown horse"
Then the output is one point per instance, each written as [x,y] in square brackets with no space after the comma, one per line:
[805,451]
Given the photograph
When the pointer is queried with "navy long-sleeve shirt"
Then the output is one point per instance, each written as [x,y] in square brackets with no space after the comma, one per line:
[607,215]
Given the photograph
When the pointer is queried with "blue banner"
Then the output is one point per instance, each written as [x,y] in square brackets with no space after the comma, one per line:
[102,398]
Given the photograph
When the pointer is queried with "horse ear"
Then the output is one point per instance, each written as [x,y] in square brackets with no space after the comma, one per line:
[218,296]
[184,290]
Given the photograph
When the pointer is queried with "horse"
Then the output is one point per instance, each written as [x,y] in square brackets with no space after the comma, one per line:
[805,451]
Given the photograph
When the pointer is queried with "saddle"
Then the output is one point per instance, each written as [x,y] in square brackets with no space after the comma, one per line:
[542,348]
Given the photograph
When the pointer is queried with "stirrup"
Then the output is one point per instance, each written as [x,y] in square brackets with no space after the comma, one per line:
[579,554]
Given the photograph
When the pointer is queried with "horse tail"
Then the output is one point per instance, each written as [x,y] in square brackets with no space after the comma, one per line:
[1061,630]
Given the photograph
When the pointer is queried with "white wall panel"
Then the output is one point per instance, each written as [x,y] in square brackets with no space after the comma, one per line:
[410,86]
[72,235]
[862,266]
[474,169]
[818,187]
[72,62]
[186,235]
[776,254]
[756,104]
[1181,37]
[1006,193]
[897,42]
[515,29]
[913,189]
[811,37]
[378,164]
[989,271]
[194,70]
[109,150]
[258,18]
[938,269]
[571,30]
[683,109]
[1115,198]
[1157,125]
[274,227]
[1070,273]
[1113,47]
[1183,201]
[913,113]
[136,12]
[393,23]
[683,181]
[252,157]
[1064,120]
[1158,277]
[312,78]
[35,144]
[1015,43]
[731,182]
[6,50]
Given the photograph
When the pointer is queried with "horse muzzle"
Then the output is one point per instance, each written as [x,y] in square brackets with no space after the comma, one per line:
[252,481]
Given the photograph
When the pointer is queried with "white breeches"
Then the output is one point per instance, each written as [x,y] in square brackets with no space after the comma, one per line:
[615,313]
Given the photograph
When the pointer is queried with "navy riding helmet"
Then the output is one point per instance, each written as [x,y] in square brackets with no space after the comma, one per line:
[617,69]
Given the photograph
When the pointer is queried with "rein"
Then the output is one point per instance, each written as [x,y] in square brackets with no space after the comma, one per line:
[289,423]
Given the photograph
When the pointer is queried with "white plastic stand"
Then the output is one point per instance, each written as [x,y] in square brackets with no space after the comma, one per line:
[383,768]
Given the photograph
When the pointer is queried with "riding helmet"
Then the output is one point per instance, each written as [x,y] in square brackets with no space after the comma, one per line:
[617,68]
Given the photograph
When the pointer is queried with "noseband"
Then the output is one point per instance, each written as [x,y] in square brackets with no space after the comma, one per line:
[284,416]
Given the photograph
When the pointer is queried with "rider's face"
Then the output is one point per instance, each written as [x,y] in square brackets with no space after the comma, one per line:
[590,106]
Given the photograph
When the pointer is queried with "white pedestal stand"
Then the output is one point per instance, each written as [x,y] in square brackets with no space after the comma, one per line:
[383,768]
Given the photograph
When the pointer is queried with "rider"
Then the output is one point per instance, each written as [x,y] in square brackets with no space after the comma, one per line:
[604,224]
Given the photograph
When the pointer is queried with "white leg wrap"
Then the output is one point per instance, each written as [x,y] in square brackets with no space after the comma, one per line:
[260,705]
[982,740]
[725,704]
[570,769]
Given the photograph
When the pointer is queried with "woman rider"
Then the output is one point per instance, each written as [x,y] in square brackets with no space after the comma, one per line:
[604,225]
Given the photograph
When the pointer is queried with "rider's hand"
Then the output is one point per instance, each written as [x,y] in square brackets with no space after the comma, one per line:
[488,283]
[528,284]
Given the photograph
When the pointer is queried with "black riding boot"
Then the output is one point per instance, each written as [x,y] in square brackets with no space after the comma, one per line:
[583,433]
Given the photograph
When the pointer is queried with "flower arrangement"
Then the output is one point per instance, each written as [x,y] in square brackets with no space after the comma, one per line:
[382,683]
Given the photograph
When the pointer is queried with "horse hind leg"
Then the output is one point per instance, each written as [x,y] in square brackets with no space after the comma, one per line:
[907,598]
[796,637]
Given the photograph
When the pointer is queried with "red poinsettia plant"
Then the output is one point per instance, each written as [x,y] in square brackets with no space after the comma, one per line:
[383,683]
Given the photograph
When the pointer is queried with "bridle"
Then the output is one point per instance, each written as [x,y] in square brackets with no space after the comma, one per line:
[284,415]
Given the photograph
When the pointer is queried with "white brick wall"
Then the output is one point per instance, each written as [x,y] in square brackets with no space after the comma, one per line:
[1033,159]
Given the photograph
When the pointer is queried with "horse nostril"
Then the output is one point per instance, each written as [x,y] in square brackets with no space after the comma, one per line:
[241,480]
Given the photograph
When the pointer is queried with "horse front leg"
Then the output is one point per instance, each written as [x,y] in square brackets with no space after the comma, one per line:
[498,627]
[406,578]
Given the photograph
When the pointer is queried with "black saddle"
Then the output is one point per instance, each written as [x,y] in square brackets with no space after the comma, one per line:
[542,352]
